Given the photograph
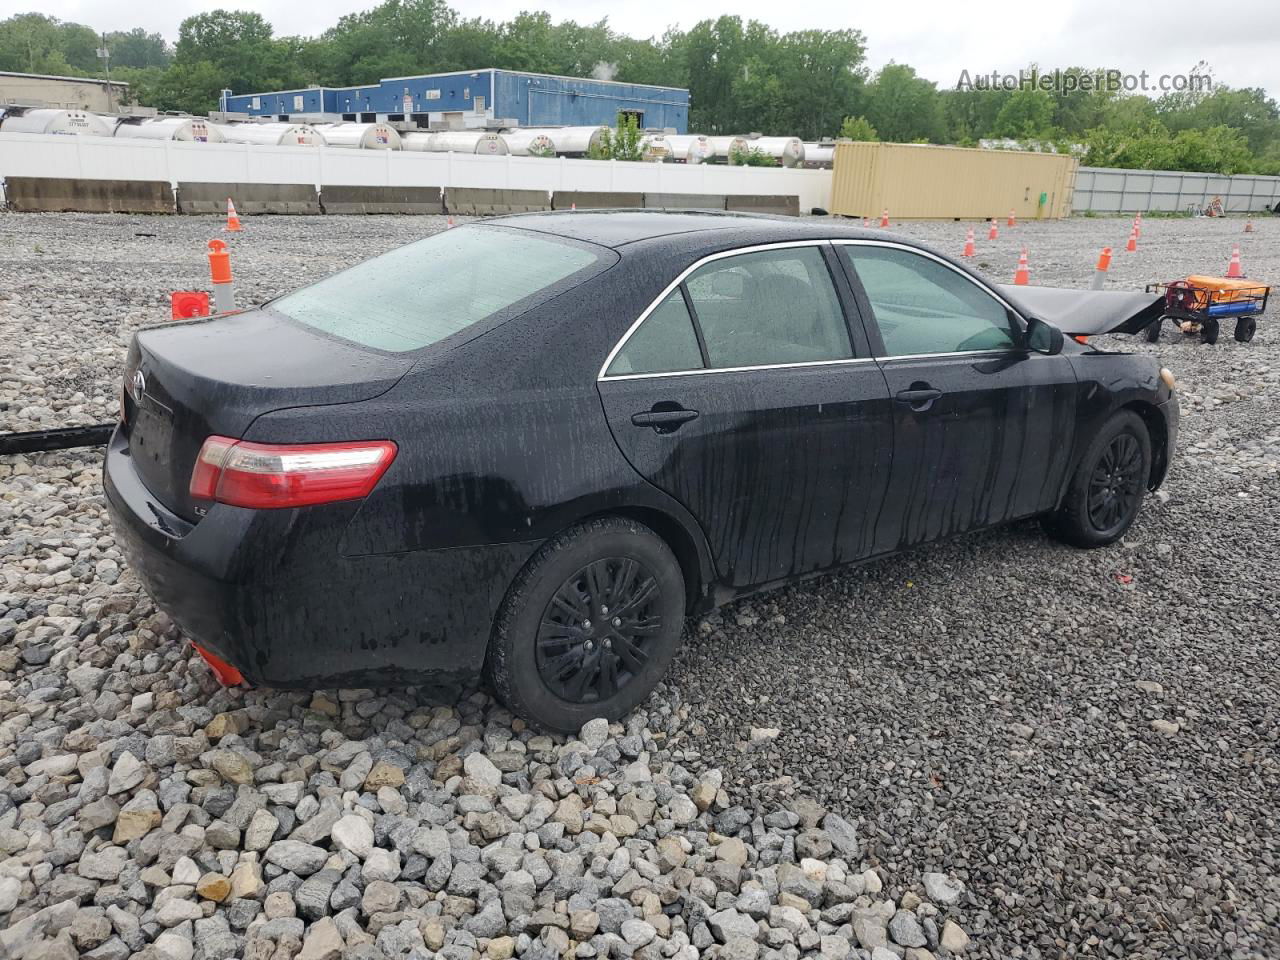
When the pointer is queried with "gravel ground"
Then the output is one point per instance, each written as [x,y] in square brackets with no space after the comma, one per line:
[996,740]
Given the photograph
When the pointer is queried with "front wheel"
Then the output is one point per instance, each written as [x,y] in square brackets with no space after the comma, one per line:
[589,626]
[1108,486]
[1209,330]
[1246,327]
[1153,330]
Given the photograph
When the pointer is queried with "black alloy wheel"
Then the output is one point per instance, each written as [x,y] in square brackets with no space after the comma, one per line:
[1107,486]
[1115,487]
[589,626]
[595,631]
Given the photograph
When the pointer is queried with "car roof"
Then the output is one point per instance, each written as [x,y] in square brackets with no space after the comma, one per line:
[617,228]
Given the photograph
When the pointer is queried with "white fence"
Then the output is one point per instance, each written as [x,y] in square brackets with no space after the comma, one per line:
[1110,190]
[102,158]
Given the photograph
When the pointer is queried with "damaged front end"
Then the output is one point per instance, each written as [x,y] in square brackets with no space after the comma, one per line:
[1086,313]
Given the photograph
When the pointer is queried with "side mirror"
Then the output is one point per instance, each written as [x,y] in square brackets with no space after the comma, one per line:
[1044,337]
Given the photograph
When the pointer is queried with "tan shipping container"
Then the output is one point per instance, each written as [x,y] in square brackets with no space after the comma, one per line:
[925,182]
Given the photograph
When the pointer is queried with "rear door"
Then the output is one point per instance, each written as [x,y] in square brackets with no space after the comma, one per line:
[743,393]
[983,427]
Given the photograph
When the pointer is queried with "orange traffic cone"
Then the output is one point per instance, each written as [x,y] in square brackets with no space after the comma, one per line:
[233,221]
[1248,226]
[969,248]
[866,222]
[1022,276]
[884,217]
[573,206]
[1100,271]
[449,224]
[1013,220]
[1137,225]
[1233,268]
[1132,245]
[994,231]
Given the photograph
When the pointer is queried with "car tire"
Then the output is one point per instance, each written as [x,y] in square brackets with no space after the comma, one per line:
[1117,462]
[1246,327]
[554,656]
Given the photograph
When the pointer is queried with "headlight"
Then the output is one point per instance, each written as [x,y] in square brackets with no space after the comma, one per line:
[1167,376]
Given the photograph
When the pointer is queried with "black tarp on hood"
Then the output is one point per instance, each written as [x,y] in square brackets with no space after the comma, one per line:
[1086,313]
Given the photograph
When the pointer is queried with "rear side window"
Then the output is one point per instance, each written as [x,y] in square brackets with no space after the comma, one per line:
[769,307]
[421,293]
[922,306]
[664,343]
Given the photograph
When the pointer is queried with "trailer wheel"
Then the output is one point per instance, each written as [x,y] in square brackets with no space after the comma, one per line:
[1246,327]
[1209,331]
[1153,330]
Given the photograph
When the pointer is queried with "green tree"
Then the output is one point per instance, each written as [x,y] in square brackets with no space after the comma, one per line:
[751,157]
[821,78]
[137,48]
[715,52]
[904,107]
[1026,115]
[32,43]
[144,83]
[624,142]
[224,38]
[229,49]
[188,87]
[857,128]
[1250,111]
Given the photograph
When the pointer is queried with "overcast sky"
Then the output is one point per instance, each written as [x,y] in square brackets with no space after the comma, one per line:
[1239,38]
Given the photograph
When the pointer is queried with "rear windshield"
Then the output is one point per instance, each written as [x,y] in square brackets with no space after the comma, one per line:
[418,294]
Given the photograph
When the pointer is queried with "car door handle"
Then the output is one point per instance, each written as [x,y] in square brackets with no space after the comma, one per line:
[663,420]
[919,398]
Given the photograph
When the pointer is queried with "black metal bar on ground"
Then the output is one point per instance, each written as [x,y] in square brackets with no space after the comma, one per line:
[33,441]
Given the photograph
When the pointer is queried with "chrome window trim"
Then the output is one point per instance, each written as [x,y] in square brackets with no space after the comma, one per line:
[764,366]
[990,352]
[666,292]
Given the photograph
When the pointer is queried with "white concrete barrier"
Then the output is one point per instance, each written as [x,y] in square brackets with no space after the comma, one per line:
[102,158]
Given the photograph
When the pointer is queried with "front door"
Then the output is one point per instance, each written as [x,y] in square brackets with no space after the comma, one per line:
[983,427]
[742,394]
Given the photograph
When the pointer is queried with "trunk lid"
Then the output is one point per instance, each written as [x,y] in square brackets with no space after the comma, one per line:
[184,382]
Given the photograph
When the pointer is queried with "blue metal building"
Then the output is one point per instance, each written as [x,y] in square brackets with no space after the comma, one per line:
[476,98]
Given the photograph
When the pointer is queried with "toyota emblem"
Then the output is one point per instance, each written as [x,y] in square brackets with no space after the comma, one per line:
[137,386]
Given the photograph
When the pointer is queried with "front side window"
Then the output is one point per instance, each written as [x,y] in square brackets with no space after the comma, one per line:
[419,294]
[768,307]
[922,306]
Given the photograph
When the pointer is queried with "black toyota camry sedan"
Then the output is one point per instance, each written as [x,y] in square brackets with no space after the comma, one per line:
[531,447]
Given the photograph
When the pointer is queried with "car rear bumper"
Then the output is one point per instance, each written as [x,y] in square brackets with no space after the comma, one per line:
[270,592]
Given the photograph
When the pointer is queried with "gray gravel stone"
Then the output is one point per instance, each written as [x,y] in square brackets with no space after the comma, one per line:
[297,857]
[939,888]
[905,929]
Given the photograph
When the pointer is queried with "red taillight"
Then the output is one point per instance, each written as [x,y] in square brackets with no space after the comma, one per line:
[271,475]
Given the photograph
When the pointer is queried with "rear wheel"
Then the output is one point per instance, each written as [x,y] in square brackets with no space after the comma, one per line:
[1246,327]
[1209,330]
[1108,486]
[1153,330]
[589,626]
